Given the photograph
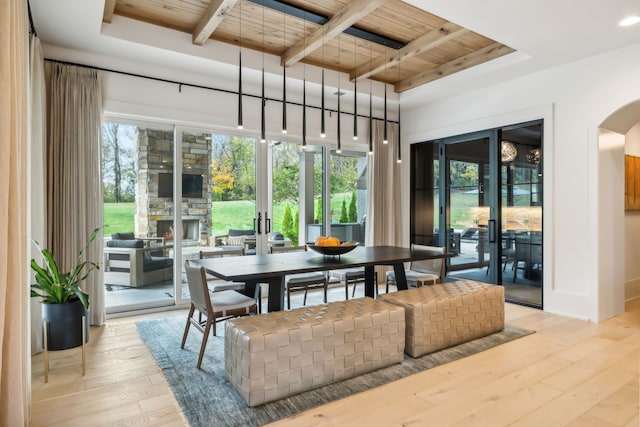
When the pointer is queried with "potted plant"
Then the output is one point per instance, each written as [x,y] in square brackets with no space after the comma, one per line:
[64,303]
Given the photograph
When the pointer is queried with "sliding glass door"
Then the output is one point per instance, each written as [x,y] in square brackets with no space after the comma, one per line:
[480,195]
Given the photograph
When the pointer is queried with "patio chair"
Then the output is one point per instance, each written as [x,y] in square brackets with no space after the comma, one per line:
[421,271]
[214,306]
[303,281]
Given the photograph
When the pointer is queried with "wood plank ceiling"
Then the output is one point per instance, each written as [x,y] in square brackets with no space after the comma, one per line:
[385,40]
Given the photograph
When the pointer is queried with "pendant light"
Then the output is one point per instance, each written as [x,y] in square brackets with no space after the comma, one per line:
[370,107]
[370,120]
[304,92]
[399,159]
[339,147]
[240,92]
[304,112]
[240,126]
[284,75]
[323,129]
[355,90]
[385,133]
[263,127]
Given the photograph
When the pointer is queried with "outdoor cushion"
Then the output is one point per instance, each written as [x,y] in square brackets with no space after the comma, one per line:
[123,236]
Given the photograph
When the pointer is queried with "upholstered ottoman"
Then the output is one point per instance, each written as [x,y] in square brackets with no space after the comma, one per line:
[443,315]
[277,354]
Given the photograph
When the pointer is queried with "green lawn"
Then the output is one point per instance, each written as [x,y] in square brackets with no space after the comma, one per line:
[119,217]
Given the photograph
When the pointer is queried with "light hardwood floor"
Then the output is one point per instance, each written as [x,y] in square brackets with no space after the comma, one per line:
[570,372]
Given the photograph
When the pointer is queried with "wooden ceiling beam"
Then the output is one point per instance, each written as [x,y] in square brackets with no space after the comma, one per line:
[343,19]
[109,7]
[424,43]
[212,17]
[480,56]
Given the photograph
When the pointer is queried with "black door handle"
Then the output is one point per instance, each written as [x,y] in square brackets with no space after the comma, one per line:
[492,231]
[259,223]
[267,223]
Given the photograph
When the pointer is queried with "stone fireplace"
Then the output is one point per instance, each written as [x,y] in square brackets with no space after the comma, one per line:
[155,201]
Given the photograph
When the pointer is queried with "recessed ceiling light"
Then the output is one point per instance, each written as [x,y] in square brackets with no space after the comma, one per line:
[629,20]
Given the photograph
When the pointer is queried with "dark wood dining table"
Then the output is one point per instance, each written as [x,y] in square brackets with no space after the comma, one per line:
[273,268]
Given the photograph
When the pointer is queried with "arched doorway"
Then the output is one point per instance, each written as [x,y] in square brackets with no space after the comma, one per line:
[619,269]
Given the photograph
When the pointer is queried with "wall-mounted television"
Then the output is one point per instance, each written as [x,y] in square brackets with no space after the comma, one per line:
[191,185]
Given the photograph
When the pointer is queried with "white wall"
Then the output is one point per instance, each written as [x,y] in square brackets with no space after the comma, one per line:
[632,227]
[573,100]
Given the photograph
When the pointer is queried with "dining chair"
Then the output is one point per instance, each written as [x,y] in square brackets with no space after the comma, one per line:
[213,306]
[216,284]
[354,276]
[421,271]
[303,281]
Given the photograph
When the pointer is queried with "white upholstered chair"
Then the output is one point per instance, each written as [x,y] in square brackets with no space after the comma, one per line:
[212,307]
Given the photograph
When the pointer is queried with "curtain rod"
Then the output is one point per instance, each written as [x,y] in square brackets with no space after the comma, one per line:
[32,27]
[180,84]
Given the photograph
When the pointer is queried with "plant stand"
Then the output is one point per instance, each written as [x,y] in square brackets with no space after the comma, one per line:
[46,348]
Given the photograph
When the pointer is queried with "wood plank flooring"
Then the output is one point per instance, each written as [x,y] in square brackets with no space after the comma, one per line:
[570,372]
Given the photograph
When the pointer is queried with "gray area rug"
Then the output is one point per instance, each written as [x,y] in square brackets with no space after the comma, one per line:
[207,398]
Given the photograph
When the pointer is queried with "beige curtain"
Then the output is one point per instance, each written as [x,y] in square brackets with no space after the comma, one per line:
[383,212]
[384,225]
[14,273]
[36,174]
[74,179]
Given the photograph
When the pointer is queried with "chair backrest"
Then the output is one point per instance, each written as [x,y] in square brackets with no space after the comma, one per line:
[433,266]
[222,253]
[198,289]
[301,248]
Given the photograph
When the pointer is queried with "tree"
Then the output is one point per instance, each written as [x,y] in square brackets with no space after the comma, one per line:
[319,211]
[353,209]
[296,222]
[287,223]
[118,162]
[221,178]
[343,212]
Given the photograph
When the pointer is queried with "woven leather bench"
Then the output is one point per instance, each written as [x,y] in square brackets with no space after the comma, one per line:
[278,354]
[443,315]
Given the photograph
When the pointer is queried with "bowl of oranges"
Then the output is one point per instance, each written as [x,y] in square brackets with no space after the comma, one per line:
[327,245]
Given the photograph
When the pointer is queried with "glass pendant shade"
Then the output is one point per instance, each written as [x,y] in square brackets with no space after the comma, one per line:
[508,152]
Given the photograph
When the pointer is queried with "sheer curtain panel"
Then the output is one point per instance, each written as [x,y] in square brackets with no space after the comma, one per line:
[74,181]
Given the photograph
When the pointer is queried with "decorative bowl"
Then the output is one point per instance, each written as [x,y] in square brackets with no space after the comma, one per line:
[343,248]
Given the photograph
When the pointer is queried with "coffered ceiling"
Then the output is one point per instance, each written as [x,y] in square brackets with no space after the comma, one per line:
[385,40]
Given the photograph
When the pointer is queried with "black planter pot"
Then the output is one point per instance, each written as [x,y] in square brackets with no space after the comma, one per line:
[65,325]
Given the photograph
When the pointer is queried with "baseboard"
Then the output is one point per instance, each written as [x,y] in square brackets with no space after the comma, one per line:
[632,289]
